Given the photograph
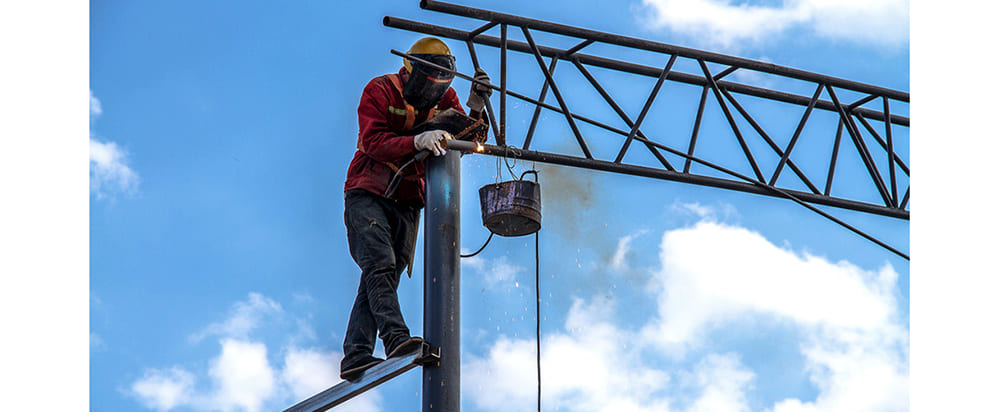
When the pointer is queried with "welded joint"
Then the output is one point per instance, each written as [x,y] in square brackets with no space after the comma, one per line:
[482,29]
[429,355]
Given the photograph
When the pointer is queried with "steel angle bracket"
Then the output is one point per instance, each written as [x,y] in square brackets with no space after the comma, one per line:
[429,356]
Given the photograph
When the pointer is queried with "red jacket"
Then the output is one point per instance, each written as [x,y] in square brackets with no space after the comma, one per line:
[382,140]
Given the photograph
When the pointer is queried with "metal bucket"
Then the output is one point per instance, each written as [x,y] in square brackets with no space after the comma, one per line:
[512,208]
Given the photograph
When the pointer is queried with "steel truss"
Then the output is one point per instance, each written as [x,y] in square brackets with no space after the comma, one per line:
[876,153]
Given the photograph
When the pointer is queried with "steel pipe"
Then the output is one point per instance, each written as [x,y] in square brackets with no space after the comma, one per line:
[674,176]
[442,274]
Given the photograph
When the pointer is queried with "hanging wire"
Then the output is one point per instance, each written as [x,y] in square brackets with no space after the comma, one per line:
[508,150]
[538,322]
[532,171]
[510,167]
[481,247]
[497,177]
[538,307]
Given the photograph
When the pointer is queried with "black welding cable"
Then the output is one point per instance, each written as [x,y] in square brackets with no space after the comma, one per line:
[538,308]
[480,248]
[396,178]
[538,323]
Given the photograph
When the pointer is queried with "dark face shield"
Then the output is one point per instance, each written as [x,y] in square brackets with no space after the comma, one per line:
[427,85]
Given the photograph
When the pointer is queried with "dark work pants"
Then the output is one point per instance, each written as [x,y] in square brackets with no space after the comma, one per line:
[381,234]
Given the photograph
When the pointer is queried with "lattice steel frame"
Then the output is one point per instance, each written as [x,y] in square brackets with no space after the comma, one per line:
[852,117]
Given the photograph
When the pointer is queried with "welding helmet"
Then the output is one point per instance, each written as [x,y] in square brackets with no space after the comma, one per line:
[427,85]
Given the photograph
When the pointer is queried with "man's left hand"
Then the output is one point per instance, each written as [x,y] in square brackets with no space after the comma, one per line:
[478,93]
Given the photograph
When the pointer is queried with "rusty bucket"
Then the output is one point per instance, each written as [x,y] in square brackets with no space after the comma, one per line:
[512,208]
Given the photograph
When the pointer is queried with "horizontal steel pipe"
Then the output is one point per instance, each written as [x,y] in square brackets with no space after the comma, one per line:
[649,45]
[664,174]
[627,67]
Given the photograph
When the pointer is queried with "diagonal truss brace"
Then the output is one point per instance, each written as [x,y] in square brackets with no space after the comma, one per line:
[754,186]
[884,170]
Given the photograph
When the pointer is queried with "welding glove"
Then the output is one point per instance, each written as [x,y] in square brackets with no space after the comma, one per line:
[478,93]
[431,140]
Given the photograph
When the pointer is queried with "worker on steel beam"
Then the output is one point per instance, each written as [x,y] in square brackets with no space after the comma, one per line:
[381,231]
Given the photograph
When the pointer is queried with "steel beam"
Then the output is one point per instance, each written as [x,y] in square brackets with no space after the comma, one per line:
[627,67]
[653,46]
[674,176]
[794,196]
[373,377]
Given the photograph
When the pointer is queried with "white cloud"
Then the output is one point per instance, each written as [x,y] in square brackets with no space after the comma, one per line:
[852,337]
[699,290]
[109,170]
[163,390]
[705,212]
[95,105]
[723,23]
[310,371]
[244,317]
[97,342]
[723,381]
[622,251]
[592,367]
[110,173]
[243,375]
[499,271]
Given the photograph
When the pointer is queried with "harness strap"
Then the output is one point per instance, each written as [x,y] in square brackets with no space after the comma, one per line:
[410,111]
[411,115]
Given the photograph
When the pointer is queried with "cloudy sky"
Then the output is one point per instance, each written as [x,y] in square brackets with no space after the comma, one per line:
[219,276]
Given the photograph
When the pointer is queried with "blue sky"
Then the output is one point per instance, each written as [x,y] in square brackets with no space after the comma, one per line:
[219,277]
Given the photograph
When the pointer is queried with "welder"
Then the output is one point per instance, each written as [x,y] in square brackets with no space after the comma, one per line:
[381,226]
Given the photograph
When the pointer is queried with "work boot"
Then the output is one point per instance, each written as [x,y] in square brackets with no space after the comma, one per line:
[404,347]
[353,370]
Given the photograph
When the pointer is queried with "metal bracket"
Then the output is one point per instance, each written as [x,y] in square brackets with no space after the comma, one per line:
[429,356]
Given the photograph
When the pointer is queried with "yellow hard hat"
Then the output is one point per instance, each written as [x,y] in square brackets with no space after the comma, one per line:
[426,45]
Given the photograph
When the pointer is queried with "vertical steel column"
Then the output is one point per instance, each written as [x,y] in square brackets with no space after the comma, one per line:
[502,137]
[442,382]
